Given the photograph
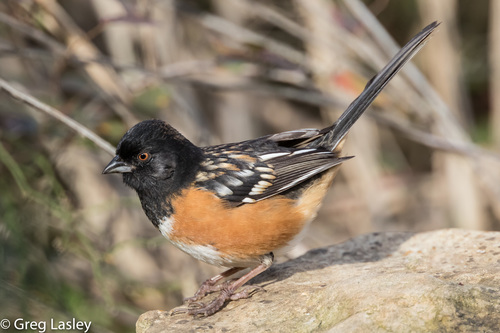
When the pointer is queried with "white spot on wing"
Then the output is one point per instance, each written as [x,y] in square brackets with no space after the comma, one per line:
[211,167]
[232,181]
[241,156]
[303,151]
[264,169]
[201,176]
[222,190]
[256,191]
[260,187]
[264,184]
[266,157]
[225,165]
[244,173]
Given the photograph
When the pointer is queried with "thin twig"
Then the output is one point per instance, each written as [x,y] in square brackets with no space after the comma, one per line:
[112,88]
[168,72]
[275,17]
[246,36]
[34,33]
[49,110]
[432,140]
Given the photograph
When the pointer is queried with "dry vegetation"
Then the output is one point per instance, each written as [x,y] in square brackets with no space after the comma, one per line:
[75,243]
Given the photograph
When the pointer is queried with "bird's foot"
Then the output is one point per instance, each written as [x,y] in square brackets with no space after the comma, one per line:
[227,293]
[227,289]
[206,288]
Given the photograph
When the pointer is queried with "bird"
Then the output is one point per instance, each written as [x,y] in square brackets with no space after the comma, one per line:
[236,205]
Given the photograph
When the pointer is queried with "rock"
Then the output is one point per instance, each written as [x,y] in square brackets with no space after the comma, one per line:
[441,281]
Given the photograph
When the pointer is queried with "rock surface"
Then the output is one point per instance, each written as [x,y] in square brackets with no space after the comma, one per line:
[441,281]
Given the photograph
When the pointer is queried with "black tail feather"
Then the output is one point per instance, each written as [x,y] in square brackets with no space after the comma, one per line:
[335,133]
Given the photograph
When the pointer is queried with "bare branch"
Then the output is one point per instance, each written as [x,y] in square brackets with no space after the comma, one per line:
[49,110]
[34,33]
[247,36]
[434,141]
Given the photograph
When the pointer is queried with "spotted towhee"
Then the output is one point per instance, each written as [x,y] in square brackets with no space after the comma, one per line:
[236,204]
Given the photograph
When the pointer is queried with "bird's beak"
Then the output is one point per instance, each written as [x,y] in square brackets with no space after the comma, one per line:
[117,165]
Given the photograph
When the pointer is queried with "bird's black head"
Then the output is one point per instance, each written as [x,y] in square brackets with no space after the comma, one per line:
[155,159]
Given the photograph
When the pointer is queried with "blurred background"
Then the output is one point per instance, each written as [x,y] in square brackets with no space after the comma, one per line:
[75,243]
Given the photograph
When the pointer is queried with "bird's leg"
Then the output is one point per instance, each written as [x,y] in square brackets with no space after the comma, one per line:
[210,285]
[228,291]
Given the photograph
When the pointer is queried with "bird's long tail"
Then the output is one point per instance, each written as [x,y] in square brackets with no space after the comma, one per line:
[335,133]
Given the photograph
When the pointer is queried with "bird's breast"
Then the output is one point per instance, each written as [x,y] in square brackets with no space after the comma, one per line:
[209,229]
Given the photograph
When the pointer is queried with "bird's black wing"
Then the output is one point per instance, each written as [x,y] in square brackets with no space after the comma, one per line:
[253,170]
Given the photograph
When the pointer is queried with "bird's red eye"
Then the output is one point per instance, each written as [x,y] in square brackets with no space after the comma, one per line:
[143,156]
